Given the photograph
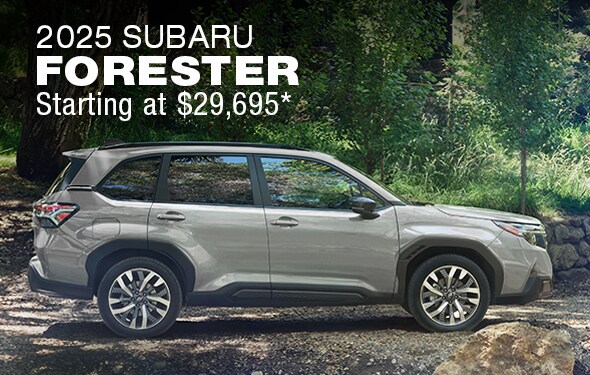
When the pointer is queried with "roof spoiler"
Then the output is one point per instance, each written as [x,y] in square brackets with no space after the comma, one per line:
[82,153]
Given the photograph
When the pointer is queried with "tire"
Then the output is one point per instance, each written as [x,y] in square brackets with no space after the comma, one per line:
[425,305]
[159,300]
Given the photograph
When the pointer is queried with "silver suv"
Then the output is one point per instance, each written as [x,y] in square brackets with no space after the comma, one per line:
[149,227]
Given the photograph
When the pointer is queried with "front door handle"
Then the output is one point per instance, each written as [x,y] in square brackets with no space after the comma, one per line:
[171,216]
[285,221]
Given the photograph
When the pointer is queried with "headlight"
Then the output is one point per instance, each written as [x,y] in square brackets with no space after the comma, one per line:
[533,233]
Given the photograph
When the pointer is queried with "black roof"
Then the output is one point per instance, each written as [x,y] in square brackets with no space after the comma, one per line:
[111,146]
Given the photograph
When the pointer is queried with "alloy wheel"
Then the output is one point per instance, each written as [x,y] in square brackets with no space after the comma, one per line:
[450,295]
[139,298]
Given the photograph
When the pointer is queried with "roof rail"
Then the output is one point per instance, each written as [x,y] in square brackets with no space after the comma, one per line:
[199,143]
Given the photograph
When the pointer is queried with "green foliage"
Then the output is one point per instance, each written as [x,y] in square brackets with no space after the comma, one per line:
[516,55]
[374,101]
[483,176]
[365,97]
[13,46]
[9,134]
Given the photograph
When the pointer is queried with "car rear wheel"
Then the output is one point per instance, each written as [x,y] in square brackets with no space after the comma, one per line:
[139,297]
[448,293]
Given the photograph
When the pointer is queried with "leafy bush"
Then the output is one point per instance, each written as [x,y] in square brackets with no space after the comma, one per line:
[489,177]
[9,134]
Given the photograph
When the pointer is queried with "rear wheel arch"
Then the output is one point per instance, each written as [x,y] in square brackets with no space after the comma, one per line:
[412,256]
[100,260]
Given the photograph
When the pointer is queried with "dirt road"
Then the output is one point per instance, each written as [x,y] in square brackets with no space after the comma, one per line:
[39,334]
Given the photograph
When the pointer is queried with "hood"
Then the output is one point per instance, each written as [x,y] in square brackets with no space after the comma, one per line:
[482,213]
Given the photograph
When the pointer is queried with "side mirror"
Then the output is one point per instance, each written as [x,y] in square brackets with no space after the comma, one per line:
[364,206]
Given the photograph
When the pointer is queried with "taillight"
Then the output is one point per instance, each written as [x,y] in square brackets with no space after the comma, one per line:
[52,215]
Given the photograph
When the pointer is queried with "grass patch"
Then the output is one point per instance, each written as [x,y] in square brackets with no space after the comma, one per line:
[7,160]
[557,184]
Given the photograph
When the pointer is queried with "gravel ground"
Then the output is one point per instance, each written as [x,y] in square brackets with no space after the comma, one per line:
[39,334]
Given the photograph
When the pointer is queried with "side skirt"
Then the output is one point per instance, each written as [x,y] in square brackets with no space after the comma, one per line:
[252,295]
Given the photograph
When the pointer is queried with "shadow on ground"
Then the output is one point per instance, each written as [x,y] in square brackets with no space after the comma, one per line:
[89,331]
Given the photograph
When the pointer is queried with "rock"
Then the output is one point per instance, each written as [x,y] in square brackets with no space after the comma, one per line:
[160,365]
[586,226]
[575,274]
[564,234]
[581,263]
[257,373]
[576,221]
[563,257]
[584,249]
[118,369]
[549,232]
[512,348]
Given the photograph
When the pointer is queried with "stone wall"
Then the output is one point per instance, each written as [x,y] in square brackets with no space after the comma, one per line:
[569,246]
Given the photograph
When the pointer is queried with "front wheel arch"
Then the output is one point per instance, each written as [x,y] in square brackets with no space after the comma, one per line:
[412,256]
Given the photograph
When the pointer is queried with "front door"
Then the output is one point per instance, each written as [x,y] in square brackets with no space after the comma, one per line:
[320,251]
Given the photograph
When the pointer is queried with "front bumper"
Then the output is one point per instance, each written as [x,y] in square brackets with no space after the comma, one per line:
[39,283]
[537,287]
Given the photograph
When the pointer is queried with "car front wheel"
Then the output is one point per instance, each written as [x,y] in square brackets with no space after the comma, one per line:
[448,293]
[139,297]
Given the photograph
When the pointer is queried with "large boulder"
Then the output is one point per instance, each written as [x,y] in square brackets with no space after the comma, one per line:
[512,348]
[568,234]
[563,257]
[586,226]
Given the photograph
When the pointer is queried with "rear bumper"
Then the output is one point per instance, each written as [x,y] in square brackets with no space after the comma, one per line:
[38,283]
[537,287]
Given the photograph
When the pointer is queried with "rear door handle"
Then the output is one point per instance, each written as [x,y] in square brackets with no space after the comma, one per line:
[171,216]
[285,221]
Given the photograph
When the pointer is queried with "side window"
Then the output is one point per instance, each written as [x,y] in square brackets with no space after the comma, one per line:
[308,184]
[133,180]
[210,179]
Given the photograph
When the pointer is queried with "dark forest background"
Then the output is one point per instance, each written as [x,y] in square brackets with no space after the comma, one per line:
[481,103]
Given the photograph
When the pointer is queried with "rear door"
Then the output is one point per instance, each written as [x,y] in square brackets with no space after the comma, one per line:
[209,206]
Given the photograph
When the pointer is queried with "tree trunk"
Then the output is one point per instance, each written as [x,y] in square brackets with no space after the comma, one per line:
[369,166]
[382,158]
[44,138]
[523,178]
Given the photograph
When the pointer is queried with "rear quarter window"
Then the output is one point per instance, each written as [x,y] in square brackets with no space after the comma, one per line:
[65,178]
[57,185]
[132,180]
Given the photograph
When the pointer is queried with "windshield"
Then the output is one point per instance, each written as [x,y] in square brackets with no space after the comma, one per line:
[401,199]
